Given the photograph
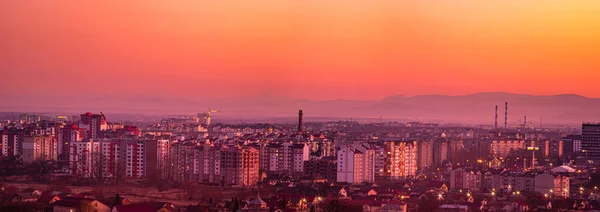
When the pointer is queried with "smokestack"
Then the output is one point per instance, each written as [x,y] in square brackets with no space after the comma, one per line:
[496,118]
[300,121]
[505,114]
[525,121]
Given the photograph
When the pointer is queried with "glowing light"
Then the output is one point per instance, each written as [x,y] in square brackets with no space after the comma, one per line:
[493,193]
[546,195]
[468,194]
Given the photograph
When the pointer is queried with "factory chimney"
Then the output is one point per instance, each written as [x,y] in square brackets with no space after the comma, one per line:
[496,118]
[300,121]
[505,114]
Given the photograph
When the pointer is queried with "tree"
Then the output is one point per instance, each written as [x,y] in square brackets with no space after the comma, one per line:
[190,190]
[236,204]
[333,206]
[117,200]
[119,172]
[97,168]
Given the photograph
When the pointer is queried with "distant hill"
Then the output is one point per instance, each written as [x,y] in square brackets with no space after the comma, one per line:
[475,108]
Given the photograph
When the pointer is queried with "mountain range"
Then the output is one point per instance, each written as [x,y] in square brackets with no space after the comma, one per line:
[475,108]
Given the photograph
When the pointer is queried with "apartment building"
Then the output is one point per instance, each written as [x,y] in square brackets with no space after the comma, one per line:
[400,159]
[39,147]
[356,164]
[501,148]
[326,167]
[239,166]
[284,158]
[462,178]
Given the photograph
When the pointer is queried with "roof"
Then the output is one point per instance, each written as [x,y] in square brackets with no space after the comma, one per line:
[563,169]
[71,202]
[447,206]
[197,208]
[257,201]
[136,208]
[392,207]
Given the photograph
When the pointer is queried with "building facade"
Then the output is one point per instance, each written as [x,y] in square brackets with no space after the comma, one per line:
[356,164]
[239,166]
[400,159]
[590,142]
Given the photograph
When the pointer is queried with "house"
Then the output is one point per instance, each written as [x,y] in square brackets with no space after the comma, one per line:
[76,204]
[146,207]
[48,199]
[393,208]
[197,208]
[123,200]
[339,190]
[453,208]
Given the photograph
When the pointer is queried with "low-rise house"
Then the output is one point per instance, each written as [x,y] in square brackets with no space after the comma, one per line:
[147,207]
[78,204]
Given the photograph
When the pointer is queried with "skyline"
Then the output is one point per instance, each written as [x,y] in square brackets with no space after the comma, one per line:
[307,50]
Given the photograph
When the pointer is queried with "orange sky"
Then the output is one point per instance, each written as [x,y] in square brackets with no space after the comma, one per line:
[304,49]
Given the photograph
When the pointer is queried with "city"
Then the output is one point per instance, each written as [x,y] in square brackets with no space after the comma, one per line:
[299,106]
[60,163]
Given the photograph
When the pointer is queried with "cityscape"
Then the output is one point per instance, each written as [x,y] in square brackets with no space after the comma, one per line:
[299,106]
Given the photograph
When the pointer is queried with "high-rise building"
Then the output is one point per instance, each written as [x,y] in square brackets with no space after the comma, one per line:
[400,159]
[465,179]
[12,142]
[502,148]
[182,158]
[326,167]
[356,164]
[64,137]
[93,124]
[455,151]
[284,158]
[84,158]
[239,166]
[39,147]
[590,142]
[425,154]
[440,152]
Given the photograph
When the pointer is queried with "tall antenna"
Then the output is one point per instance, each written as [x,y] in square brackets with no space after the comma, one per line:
[496,118]
[525,121]
[505,114]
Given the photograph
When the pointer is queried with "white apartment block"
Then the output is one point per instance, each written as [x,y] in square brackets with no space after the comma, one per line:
[356,164]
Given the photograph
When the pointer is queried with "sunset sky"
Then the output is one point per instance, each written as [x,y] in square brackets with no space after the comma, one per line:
[317,50]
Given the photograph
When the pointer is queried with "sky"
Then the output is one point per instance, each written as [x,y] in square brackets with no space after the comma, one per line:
[318,50]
